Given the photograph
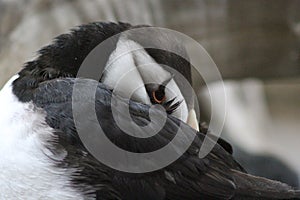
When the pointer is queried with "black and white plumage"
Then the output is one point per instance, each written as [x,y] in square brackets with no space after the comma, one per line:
[42,156]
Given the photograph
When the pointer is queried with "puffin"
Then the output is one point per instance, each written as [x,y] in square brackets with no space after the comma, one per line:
[51,148]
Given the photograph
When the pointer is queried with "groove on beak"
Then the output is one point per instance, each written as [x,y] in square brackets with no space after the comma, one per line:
[192,120]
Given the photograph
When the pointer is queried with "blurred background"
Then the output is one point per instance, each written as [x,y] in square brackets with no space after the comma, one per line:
[255,45]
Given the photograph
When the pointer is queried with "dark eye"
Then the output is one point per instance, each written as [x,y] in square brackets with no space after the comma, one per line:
[159,95]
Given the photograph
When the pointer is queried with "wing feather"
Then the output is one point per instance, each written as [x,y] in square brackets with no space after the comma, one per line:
[187,178]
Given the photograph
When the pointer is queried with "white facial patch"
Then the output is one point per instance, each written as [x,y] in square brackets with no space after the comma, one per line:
[121,74]
[130,67]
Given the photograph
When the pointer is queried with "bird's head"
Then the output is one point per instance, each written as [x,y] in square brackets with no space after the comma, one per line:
[146,75]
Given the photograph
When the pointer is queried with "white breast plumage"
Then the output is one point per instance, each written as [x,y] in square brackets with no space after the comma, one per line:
[26,171]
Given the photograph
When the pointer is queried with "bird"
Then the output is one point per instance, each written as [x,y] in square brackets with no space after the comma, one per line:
[42,155]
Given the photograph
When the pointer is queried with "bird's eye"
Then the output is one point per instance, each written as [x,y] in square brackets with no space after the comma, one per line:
[158,96]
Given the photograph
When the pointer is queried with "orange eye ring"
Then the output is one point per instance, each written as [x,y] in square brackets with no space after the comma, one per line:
[157,99]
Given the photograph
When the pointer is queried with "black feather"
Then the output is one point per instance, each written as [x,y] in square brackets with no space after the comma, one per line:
[217,176]
[48,82]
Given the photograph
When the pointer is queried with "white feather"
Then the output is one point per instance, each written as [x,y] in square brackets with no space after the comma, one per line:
[130,67]
[122,75]
[26,171]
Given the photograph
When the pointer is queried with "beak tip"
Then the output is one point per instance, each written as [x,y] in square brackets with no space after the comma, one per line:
[192,120]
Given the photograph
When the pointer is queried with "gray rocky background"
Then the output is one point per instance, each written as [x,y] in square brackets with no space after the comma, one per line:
[254,43]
